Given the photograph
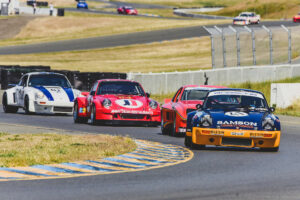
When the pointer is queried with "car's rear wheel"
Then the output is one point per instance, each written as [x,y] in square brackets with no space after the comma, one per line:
[6,107]
[76,118]
[26,106]
[93,115]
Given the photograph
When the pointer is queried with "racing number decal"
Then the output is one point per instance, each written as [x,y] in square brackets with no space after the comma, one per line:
[236,114]
[129,103]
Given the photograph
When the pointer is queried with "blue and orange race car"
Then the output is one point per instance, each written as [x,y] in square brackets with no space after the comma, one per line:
[82,4]
[233,118]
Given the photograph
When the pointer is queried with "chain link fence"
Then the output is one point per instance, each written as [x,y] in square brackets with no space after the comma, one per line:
[244,46]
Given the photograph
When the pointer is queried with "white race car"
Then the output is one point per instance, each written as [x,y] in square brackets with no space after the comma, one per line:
[41,92]
[246,18]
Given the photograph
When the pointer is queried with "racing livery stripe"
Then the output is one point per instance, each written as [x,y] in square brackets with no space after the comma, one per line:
[70,93]
[45,92]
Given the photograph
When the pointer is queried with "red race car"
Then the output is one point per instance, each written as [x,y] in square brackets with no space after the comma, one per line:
[127,10]
[174,112]
[296,18]
[115,101]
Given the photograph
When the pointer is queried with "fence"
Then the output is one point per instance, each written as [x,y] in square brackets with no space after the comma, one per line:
[244,46]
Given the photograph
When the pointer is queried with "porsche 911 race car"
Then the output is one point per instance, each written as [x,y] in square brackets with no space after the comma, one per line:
[40,92]
[296,18]
[174,112]
[115,101]
[82,4]
[127,10]
[246,18]
[234,118]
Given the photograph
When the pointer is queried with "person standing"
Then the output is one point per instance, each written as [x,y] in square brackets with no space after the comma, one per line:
[51,8]
[34,8]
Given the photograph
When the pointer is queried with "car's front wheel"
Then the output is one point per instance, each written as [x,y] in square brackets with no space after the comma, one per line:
[6,107]
[93,115]
[26,106]
[76,118]
[187,141]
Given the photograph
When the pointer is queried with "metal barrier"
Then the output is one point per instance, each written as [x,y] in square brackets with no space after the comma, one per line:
[244,46]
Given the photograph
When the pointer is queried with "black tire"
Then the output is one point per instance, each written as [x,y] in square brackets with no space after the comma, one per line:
[275,149]
[78,120]
[93,116]
[187,141]
[164,130]
[7,108]
[173,132]
[26,106]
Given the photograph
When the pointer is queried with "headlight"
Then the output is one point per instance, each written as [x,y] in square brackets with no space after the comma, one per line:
[39,95]
[268,124]
[153,104]
[106,103]
[206,121]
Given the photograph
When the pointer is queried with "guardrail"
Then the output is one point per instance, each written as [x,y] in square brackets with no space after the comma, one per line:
[169,82]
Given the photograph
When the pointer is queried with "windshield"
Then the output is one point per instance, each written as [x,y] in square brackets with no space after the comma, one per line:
[194,94]
[245,15]
[49,80]
[120,87]
[250,101]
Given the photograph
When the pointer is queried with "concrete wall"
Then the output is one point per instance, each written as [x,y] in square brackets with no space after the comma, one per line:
[169,82]
[284,94]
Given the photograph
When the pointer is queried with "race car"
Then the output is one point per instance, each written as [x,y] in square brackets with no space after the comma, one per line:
[246,18]
[174,112]
[41,92]
[127,10]
[233,118]
[82,4]
[296,18]
[114,101]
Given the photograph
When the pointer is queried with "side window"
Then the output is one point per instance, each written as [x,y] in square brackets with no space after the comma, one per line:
[94,88]
[23,81]
[176,96]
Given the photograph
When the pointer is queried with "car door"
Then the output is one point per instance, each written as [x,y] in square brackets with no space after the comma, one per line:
[20,88]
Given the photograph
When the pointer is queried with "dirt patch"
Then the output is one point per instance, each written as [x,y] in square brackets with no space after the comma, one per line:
[10,27]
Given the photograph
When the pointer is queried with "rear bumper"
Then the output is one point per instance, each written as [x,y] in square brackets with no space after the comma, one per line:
[235,137]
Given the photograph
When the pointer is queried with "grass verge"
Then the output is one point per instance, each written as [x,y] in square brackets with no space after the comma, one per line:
[179,55]
[32,149]
[83,25]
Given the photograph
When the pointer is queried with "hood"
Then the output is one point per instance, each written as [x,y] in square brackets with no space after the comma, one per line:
[237,119]
[56,93]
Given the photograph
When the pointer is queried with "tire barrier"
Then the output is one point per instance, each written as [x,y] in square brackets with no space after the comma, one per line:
[38,3]
[80,80]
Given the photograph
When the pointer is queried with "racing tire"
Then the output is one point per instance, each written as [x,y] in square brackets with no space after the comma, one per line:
[173,132]
[275,149]
[93,116]
[187,141]
[7,108]
[164,130]
[257,22]
[26,106]
[78,120]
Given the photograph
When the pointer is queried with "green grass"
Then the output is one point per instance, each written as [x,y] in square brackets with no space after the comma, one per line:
[31,149]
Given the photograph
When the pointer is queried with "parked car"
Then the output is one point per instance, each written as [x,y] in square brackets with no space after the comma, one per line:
[296,18]
[41,92]
[174,111]
[234,118]
[117,101]
[127,10]
[82,4]
[246,18]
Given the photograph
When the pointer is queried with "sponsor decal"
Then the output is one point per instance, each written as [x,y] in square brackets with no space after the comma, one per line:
[132,112]
[236,114]
[257,135]
[239,93]
[129,103]
[242,124]
[236,133]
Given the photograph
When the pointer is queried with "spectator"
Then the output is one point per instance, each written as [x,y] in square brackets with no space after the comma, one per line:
[51,8]
[34,8]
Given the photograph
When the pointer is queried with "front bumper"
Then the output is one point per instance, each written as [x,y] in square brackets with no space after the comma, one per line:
[235,137]
[53,107]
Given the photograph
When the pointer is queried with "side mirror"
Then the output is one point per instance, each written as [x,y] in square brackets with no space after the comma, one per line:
[92,93]
[147,95]
[199,106]
[272,109]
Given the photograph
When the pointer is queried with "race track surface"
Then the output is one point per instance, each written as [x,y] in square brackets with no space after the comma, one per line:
[121,39]
[214,173]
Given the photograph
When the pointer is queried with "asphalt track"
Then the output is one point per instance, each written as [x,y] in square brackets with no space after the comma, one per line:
[121,39]
[211,174]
